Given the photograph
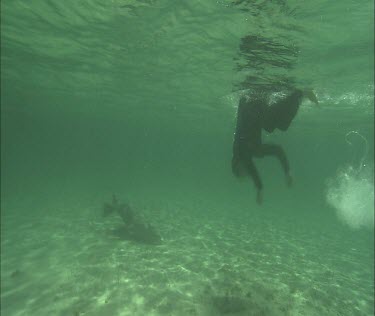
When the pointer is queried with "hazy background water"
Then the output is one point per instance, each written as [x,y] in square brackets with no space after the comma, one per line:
[139,98]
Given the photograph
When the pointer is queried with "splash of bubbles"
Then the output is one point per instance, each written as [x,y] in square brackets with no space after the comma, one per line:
[351,194]
[362,162]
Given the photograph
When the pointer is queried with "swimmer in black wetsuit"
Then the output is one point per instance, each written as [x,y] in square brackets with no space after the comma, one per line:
[253,114]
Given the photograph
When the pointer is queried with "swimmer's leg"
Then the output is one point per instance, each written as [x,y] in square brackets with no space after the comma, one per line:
[253,173]
[279,153]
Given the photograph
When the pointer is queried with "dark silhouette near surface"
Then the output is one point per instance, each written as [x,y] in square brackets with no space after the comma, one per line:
[134,228]
[254,114]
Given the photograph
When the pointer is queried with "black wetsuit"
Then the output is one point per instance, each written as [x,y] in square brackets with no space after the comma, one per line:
[253,114]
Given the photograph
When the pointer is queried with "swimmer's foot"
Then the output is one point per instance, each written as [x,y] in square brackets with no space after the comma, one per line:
[259,197]
[289,180]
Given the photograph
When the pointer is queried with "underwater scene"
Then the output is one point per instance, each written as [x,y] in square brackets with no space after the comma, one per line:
[187,158]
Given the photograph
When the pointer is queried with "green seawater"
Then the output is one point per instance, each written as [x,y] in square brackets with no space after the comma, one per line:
[138,99]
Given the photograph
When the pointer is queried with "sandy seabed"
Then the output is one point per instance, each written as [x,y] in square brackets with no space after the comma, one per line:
[69,263]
